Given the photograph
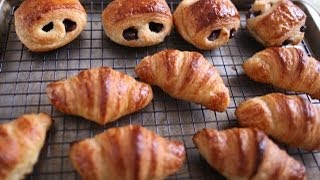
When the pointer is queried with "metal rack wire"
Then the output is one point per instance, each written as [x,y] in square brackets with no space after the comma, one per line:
[24,76]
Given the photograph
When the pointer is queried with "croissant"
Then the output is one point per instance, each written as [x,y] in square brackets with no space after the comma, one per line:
[185,75]
[130,152]
[287,68]
[246,154]
[44,25]
[20,143]
[207,24]
[288,119]
[137,23]
[101,94]
[276,22]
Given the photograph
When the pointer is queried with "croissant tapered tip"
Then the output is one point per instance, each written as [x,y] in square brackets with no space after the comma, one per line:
[177,148]
[42,117]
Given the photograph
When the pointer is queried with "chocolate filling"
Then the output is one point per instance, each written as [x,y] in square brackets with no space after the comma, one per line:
[214,35]
[48,27]
[252,14]
[286,42]
[303,28]
[232,33]
[156,27]
[69,25]
[130,34]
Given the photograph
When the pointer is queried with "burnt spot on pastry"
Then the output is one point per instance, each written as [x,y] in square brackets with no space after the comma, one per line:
[156,27]
[286,42]
[48,27]
[252,14]
[130,34]
[232,33]
[214,35]
[303,28]
[69,25]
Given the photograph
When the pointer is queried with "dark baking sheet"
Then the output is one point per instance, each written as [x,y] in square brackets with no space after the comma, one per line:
[25,75]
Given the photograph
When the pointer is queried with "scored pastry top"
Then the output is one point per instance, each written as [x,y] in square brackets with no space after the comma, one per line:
[276,22]
[212,12]
[207,24]
[121,9]
[34,10]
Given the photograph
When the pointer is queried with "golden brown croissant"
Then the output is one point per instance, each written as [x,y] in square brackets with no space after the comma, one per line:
[130,152]
[246,154]
[20,143]
[287,68]
[137,23]
[101,94]
[185,75]
[276,22]
[289,119]
[206,24]
[44,25]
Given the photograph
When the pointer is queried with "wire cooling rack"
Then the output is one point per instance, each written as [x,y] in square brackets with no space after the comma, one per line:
[24,76]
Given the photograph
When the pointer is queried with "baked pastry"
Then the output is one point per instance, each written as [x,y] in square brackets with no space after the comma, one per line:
[246,154]
[100,94]
[185,75]
[287,68]
[288,119]
[276,22]
[44,25]
[206,24]
[20,143]
[130,152]
[137,23]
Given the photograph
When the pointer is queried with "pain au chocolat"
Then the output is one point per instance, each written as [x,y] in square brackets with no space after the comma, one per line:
[44,25]
[206,24]
[276,22]
[137,23]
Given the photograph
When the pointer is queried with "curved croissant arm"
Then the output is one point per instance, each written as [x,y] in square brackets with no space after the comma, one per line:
[287,68]
[246,154]
[101,94]
[185,75]
[20,143]
[130,152]
[289,119]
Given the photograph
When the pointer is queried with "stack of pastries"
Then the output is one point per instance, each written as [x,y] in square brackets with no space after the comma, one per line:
[104,95]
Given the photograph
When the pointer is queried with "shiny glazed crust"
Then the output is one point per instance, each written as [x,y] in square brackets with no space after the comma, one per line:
[246,154]
[280,20]
[130,152]
[289,119]
[185,75]
[195,20]
[101,94]
[287,68]
[20,143]
[120,15]
[33,15]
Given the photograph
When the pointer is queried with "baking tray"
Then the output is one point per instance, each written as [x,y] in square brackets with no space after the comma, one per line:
[25,75]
